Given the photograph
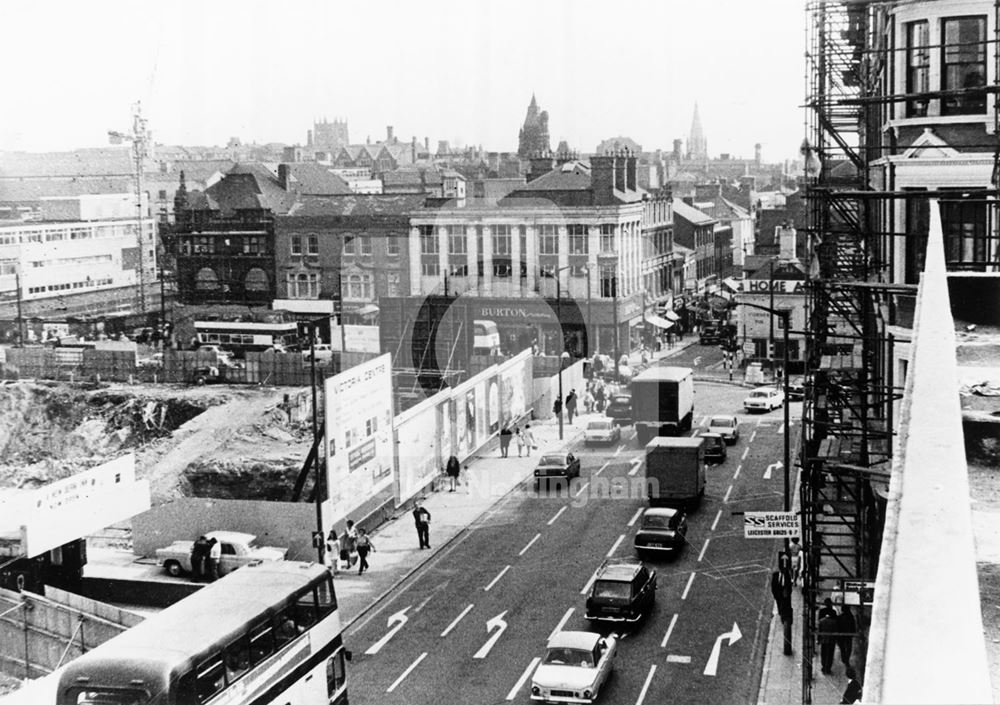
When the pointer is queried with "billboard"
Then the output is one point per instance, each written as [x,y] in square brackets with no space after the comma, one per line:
[359,447]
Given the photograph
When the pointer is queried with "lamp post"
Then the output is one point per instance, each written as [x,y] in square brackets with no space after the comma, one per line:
[562,343]
[20,314]
[315,429]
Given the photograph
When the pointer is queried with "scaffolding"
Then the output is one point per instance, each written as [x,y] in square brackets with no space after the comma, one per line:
[859,298]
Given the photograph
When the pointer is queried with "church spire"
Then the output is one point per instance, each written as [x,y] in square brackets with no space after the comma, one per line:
[697,145]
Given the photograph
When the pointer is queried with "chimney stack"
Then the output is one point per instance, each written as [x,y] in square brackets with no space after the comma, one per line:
[707,192]
[602,178]
[413,149]
[678,150]
[756,155]
[631,162]
[388,135]
[284,177]
[786,239]
[540,165]
[619,163]
[427,144]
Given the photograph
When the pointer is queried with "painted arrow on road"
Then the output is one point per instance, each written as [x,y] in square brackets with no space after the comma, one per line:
[713,661]
[696,361]
[500,626]
[399,619]
[771,468]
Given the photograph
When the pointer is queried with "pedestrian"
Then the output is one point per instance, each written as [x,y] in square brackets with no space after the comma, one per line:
[644,356]
[332,555]
[504,441]
[214,556]
[452,468]
[199,554]
[529,439]
[571,404]
[519,439]
[845,640]
[827,640]
[597,366]
[781,590]
[599,397]
[422,520]
[827,610]
[348,545]
[852,693]
[588,401]
[795,551]
[557,406]
[364,546]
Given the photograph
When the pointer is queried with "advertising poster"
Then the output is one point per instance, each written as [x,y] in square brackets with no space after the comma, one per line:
[482,415]
[495,418]
[359,452]
[512,396]
[418,453]
[463,435]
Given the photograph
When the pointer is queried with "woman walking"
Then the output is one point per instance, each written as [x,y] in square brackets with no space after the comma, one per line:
[364,546]
[529,438]
[519,439]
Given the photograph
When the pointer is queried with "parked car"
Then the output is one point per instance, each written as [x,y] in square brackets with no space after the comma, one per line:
[764,399]
[323,352]
[715,447]
[155,361]
[620,409]
[602,431]
[624,591]
[575,667]
[661,530]
[557,465]
[238,550]
[796,388]
[708,334]
[726,426]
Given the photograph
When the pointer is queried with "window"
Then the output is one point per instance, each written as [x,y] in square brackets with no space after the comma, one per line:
[964,65]
[430,269]
[312,245]
[501,240]
[392,246]
[296,244]
[392,284]
[237,659]
[210,678]
[305,612]
[501,269]
[359,286]
[302,285]
[253,245]
[206,280]
[261,643]
[577,239]
[578,270]
[348,244]
[336,673]
[609,282]
[548,240]
[204,245]
[256,280]
[428,240]
[965,235]
[365,244]
[163,195]
[917,67]
[456,240]
[284,629]
[607,239]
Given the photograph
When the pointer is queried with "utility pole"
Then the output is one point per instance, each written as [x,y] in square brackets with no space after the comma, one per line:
[139,137]
[20,316]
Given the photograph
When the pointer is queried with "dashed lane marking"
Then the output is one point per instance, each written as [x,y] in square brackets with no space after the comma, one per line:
[746,451]
[616,545]
[583,487]
[635,517]
[457,619]
[716,522]
[496,579]
[703,549]
[562,622]
[553,519]
[530,543]
[726,498]
[586,588]
[737,473]
[405,673]
[670,629]
[687,587]
[603,468]
[524,677]
[645,686]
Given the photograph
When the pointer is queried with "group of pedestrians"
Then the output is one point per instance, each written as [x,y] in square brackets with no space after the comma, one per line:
[523,438]
[353,547]
[206,553]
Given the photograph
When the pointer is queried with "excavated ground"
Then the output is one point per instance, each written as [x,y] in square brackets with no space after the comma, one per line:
[225,442]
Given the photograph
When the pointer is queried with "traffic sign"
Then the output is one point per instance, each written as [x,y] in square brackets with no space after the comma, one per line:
[748,348]
[857,592]
[770,525]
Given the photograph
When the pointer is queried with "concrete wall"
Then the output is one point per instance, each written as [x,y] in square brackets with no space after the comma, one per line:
[546,389]
[274,523]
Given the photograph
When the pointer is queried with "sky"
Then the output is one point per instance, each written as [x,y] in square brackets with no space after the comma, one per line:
[445,69]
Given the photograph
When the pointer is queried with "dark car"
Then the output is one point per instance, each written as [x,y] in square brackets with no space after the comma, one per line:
[709,334]
[564,466]
[624,590]
[796,388]
[620,409]
[715,447]
[661,530]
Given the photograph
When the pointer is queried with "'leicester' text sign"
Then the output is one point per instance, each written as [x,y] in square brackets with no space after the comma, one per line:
[770,525]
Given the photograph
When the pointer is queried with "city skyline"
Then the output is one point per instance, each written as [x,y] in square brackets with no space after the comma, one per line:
[443,71]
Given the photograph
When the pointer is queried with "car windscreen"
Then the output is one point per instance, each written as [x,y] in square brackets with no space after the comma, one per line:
[722,422]
[570,657]
[655,521]
[553,460]
[612,588]
[599,425]
[759,395]
[622,401]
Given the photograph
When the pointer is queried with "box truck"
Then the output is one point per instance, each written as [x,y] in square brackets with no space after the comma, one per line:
[662,402]
[675,471]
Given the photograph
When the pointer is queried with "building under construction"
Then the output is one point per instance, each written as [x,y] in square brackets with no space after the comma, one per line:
[902,120]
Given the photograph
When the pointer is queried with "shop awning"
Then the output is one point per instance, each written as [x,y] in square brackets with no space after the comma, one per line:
[366,310]
[659,322]
[671,316]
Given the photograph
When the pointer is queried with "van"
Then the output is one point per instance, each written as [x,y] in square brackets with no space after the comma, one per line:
[486,338]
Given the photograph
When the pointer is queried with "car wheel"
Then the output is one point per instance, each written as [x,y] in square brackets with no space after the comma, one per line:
[173,568]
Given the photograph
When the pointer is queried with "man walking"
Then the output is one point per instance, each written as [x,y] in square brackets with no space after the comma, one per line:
[571,404]
[453,468]
[422,520]
[845,639]
[781,590]
[827,640]
[364,546]
[199,554]
[214,556]
[505,434]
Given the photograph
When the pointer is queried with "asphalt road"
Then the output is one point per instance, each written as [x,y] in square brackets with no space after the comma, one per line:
[469,626]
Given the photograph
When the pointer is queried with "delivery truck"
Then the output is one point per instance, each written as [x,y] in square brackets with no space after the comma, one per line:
[675,471]
[662,402]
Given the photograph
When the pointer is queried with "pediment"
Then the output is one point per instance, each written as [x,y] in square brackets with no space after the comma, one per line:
[930,146]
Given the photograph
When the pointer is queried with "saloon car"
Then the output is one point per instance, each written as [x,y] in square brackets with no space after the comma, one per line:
[564,466]
[575,667]
[726,426]
[624,591]
[764,399]
[620,409]
[601,431]
[715,447]
[662,530]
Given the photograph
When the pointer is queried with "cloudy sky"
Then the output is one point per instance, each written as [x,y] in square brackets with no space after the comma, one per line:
[444,69]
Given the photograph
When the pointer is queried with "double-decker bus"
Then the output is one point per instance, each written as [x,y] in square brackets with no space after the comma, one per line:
[247,336]
[266,633]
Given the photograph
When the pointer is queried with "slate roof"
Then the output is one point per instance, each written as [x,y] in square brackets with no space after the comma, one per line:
[313,179]
[21,189]
[571,176]
[80,162]
[358,205]
[405,176]
[691,214]
[198,170]
[250,185]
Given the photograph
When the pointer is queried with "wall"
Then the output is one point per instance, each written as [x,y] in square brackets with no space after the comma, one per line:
[546,389]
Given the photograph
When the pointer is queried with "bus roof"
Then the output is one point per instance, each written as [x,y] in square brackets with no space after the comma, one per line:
[663,374]
[215,612]
[246,325]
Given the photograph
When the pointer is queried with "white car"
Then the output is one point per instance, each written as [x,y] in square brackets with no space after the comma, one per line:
[602,431]
[575,667]
[323,351]
[726,426]
[764,399]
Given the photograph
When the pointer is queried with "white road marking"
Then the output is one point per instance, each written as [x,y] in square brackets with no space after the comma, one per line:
[670,629]
[703,549]
[458,619]
[753,436]
[746,451]
[583,487]
[716,522]
[726,498]
[562,622]
[615,547]
[618,450]
[687,587]
[636,464]
[494,581]
[553,519]
[498,626]
[645,686]
[603,468]
[635,517]
[395,623]
[703,420]
[737,473]
[405,673]
[675,658]
[731,638]
[524,677]
[621,447]
[586,588]
[781,429]
[530,544]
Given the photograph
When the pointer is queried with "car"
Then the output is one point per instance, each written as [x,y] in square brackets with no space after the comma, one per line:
[557,465]
[620,409]
[708,335]
[322,352]
[575,667]
[238,549]
[155,361]
[796,388]
[624,591]
[726,426]
[602,431]
[715,447]
[661,530]
[764,399]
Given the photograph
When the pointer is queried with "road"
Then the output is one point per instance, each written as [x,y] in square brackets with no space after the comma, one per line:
[469,626]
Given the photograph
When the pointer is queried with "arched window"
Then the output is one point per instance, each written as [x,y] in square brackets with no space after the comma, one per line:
[206,280]
[256,280]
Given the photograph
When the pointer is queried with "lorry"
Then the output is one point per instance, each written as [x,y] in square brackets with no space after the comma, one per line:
[238,550]
[662,402]
[675,471]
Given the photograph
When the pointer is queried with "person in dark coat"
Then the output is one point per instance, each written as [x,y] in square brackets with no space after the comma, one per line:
[781,590]
[505,436]
[571,404]
[827,610]
[199,554]
[453,468]
[846,626]
[852,693]
[827,641]
[422,520]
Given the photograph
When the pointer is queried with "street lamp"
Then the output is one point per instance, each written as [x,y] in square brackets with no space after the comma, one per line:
[562,341]
[320,544]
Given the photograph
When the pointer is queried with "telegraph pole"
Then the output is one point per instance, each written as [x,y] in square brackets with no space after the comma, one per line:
[139,138]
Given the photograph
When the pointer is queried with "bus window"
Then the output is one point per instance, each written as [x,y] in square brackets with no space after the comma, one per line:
[211,678]
[106,696]
[285,629]
[237,658]
[305,610]
[336,673]
[261,643]
[327,598]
